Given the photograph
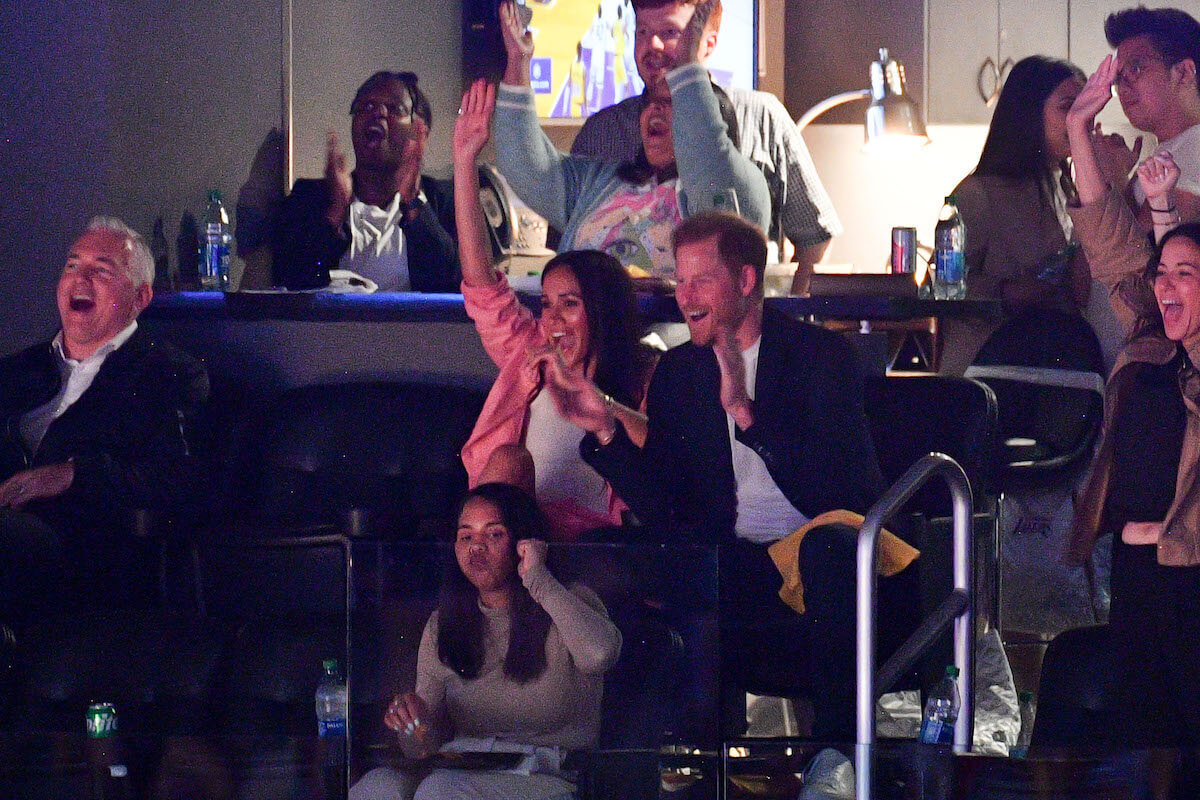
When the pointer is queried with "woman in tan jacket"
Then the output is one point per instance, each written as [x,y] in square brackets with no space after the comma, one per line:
[1145,485]
[1020,246]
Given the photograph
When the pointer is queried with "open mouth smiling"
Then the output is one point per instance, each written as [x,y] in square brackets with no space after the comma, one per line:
[658,127]
[82,304]
[375,133]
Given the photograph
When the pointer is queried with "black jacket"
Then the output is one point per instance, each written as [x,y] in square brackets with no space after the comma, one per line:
[306,247]
[127,433]
[810,428]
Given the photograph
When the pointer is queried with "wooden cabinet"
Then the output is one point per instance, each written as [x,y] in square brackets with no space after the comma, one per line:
[956,52]
[972,44]
[831,44]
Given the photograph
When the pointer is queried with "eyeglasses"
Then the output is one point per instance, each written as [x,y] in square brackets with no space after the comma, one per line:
[1130,73]
[667,34]
[367,108]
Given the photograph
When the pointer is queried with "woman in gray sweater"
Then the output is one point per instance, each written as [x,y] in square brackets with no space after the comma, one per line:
[511,661]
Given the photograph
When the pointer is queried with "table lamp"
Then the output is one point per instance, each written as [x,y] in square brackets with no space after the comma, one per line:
[893,121]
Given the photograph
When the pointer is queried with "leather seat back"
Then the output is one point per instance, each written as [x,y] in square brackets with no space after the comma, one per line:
[911,416]
[156,668]
[389,449]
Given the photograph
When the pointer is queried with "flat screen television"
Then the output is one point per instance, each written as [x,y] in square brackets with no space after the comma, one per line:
[583,59]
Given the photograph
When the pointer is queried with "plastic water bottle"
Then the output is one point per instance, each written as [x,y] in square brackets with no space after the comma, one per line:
[215,240]
[331,701]
[949,254]
[1027,703]
[941,710]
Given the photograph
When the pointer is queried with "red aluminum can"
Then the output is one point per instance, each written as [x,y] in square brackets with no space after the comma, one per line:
[904,251]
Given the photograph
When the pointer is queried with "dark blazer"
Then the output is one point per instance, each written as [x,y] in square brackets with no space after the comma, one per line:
[306,247]
[126,433]
[809,428]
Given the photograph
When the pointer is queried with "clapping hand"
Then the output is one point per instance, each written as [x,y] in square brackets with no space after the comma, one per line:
[473,126]
[532,554]
[575,395]
[338,185]
[409,183]
[1158,175]
[1116,158]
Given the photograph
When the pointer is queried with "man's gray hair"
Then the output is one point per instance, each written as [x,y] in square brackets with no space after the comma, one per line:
[140,264]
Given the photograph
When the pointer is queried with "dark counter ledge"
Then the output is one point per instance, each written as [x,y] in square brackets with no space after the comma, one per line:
[330,307]
[266,342]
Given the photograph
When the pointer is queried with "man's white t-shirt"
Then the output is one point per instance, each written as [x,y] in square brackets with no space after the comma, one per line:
[378,248]
[764,514]
[1186,150]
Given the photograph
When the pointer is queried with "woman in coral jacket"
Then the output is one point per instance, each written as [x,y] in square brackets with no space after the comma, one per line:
[588,324]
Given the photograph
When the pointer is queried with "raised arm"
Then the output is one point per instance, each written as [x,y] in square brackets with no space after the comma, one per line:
[1116,244]
[1090,179]
[710,167]
[580,618]
[470,136]
[504,325]
[518,43]
[545,179]
[1158,175]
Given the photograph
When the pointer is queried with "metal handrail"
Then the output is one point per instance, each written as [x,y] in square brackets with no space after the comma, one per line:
[964,620]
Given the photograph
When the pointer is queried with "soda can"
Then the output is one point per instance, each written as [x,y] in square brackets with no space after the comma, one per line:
[904,251]
[101,720]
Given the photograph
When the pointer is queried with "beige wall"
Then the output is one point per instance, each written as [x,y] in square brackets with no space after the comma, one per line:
[873,193]
[137,108]
[133,108]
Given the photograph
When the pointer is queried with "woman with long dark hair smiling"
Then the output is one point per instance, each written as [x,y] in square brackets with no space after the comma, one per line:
[589,323]
[511,661]
[1144,489]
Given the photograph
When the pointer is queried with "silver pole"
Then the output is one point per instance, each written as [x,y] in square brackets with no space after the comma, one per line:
[865,608]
